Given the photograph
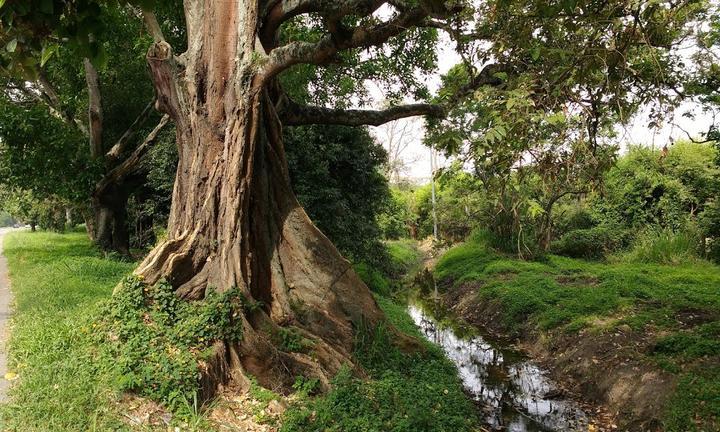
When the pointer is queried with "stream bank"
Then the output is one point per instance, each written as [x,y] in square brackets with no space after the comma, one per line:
[642,340]
[632,391]
[511,391]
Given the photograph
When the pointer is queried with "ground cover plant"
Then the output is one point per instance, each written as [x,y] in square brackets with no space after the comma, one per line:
[423,386]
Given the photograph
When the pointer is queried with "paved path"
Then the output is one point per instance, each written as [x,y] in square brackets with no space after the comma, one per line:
[5,300]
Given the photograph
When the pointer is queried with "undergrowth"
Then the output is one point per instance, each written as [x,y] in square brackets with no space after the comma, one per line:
[76,351]
[156,340]
[402,256]
[417,391]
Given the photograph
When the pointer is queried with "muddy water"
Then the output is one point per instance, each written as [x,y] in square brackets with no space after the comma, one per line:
[513,393]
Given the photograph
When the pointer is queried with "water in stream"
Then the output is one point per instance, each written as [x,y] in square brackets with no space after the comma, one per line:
[513,392]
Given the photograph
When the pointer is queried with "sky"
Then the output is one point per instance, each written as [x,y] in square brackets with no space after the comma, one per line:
[636,132]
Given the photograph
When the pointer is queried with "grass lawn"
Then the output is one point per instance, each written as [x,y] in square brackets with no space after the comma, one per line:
[65,384]
[680,304]
[58,281]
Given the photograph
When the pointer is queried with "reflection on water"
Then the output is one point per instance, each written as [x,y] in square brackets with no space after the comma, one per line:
[515,393]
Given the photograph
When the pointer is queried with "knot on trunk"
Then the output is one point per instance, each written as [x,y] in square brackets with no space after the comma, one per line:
[159,51]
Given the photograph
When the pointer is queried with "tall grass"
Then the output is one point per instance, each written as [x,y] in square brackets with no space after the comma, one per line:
[664,247]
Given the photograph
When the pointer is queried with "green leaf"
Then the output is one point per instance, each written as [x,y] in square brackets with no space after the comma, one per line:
[11,46]
[2,3]
[502,75]
[535,53]
[47,52]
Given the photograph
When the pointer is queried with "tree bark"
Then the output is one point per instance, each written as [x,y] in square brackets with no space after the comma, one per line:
[235,221]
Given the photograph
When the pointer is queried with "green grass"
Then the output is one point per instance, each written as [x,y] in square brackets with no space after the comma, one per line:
[66,383]
[404,392]
[403,256]
[58,281]
[569,294]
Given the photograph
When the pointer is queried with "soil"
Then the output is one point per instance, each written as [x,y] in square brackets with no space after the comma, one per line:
[5,301]
[232,410]
[603,367]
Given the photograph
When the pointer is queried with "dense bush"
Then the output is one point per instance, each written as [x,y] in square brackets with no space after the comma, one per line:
[592,243]
[709,223]
[397,219]
[646,189]
[6,219]
[459,205]
[572,216]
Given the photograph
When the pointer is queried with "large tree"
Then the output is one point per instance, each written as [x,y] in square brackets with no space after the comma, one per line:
[235,221]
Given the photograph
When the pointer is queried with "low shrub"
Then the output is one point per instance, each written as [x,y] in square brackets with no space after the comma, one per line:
[591,243]
[572,217]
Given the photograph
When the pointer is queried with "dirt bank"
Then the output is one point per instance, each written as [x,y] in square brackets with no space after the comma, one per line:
[603,366]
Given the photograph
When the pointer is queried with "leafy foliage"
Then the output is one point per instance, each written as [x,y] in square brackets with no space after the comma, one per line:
[157,339]
[335,175]
[592,243]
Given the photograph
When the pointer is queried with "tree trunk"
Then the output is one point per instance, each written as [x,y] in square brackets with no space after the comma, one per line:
[235,221]
[109,225]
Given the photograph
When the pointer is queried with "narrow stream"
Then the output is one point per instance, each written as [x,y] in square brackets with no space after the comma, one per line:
[514,393]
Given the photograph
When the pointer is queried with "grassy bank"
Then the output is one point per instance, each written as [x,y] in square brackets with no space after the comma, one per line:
[61,285]
[675,308]
[58,281]
[404,392]
[402,257]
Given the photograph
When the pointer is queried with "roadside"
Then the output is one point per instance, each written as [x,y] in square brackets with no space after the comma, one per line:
[5,302]
[641,339]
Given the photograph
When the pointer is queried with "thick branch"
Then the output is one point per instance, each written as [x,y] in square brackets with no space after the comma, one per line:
[153,26]
[333,10]
[122,143]
[488,76]
[293,114]
[325,50]
[132,163]
[52,100]
[94,109]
